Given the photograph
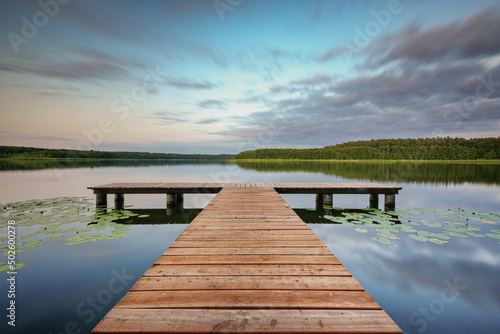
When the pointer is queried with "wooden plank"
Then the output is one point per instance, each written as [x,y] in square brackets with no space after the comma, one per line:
[175,283]
[248,235]
[304,232]
[247,299]
[248,270]
[248,259]
[245,243]
[250,250]
[246,321]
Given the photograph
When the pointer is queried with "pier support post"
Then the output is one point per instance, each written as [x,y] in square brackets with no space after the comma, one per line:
[119,201]
[328,199]
[179,201]
[319,201]
[170,200]
[101,200]
[374,201]
[390,202]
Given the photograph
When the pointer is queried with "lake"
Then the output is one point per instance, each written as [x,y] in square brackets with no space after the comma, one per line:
[433,264]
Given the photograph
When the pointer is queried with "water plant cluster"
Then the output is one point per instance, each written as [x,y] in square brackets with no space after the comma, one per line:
[73,219]
[420,224]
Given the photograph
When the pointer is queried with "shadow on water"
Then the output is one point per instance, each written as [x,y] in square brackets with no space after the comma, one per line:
[438,172]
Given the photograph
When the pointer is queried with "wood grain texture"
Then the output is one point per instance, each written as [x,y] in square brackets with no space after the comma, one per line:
[247,264]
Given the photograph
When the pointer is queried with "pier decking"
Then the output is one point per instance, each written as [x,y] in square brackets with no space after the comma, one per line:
[176,191]
[247,264]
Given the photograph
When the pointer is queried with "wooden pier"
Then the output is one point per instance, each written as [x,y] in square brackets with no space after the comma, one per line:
[246,264]
[175,191]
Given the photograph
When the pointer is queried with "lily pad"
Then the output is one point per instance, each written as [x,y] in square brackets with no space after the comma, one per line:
[361,230]
[493,235]
[7,268]
[437,241]
[418,237]
[32,244]
[383,240]
[455,234]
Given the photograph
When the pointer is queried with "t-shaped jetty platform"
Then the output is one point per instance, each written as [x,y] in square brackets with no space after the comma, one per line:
[247,264]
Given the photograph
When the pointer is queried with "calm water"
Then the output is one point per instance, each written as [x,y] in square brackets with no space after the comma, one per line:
[425,287]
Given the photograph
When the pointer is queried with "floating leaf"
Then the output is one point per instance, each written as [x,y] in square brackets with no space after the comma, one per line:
[54,237]
[438,241]
[32,244]
[361,230]
[474,234]
[455,234]
[388,235]
[432,224]
[7,268]
[418,237]
[142,216]
[493,235]
[382,240]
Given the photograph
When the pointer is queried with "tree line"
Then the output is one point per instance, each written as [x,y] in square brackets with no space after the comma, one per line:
[19,152]
[445,148]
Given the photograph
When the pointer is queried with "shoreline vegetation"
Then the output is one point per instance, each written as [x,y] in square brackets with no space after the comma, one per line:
[33,153]
[388,150]
[422,149]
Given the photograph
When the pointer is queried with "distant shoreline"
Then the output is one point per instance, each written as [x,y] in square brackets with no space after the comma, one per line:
[368,160]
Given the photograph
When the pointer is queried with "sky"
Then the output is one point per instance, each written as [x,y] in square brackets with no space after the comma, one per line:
[224,76]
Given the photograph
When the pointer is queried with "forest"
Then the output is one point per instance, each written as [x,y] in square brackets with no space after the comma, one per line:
[19,152]
[390,149]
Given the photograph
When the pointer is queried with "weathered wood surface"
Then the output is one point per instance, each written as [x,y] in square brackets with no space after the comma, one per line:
[296,188]
[247,264]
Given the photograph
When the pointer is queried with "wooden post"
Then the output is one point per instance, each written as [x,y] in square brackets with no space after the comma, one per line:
[328,199]
[319,201]
[179,201]
[170,200]
[390,202]
[101,200]
[374,201]
[119,201]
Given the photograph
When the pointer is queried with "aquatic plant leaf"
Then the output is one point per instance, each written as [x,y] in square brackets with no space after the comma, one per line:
[432,224]
[361,230]
[493,235]
[54,237]
[455,234]
[383,240]
[7,268]
[476,235]
[388,235]
[418,237]
[437,241]
[407,229]
[31,244]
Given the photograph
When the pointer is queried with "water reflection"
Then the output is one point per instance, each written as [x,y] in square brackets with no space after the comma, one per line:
[20,164]
[387,171]
[410,276]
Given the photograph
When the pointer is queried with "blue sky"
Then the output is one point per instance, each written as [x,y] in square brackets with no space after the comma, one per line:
[222,76]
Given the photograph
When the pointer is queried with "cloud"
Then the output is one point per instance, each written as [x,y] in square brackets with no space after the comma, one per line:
[208,121]
[48,138]
[474,37]
[169,117]
[189,83]
[316,80]
[212,104]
